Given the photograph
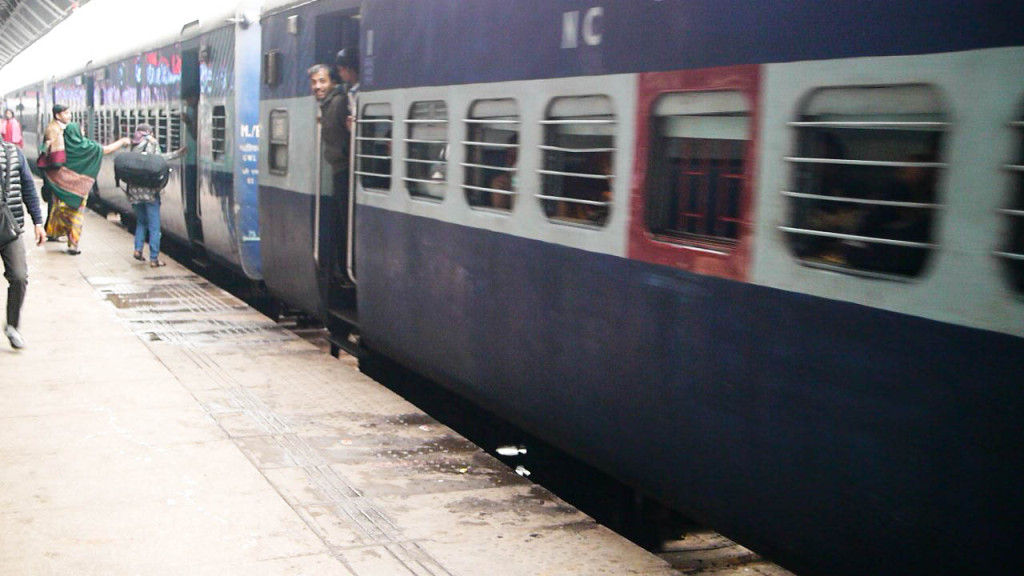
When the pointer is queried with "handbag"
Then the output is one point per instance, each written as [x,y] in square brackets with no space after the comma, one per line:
[9,228]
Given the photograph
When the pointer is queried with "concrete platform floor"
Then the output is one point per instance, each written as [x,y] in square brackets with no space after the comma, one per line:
[156,425]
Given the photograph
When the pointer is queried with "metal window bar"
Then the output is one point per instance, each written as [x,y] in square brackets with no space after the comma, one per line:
[423,161]
[491,190]
[486,121]
[366,173]
[1009,256]
[868,239]
[894,125]
[578,121]
[580,201]
[438,121]
[867,201]
[489,167]
[423,181]
[576,150]
[417,141]
[877,163]
[489,144]
[576,175]
[374,157]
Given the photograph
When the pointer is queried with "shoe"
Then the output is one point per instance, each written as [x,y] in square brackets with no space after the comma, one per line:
[53,238]
[157,263]
[14,336]
[74,251]
[138,256]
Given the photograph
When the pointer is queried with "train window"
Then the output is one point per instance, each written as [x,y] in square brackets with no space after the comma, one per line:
[579,148]
[697,171]
[272,68]
[278,150]
[162,129]
[426,147]
[219,132]
[1013,256]
[373,153]
[864,179]
[174,132]
[492,147]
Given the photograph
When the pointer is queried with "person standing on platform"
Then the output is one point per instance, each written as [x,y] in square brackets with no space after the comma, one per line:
[70,162]
[146,201]
[18,191]
[10,129]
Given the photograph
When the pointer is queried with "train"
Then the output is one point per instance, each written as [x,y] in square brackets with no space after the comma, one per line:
[762,261]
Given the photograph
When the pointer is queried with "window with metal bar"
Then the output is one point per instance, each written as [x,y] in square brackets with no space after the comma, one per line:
[1013,255]
[865,173]
[579,150]
[697,173]
[277,159]
[492,148]
[218,145]
[161,127]
[175,129]
[426,146]
[373,148]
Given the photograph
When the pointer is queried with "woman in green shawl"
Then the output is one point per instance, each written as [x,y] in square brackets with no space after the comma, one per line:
[69,163]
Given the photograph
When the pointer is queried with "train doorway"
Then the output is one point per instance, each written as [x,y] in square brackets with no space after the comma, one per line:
[189,131]
[335,31]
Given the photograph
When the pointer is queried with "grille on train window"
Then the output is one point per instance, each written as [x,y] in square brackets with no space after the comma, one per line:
[579,154]
[175,129]
[492,147]
[373,152]
[164,135]
[426,146]
[219,125]
[865,174]
[1013,255]
[278,149]
[697,172]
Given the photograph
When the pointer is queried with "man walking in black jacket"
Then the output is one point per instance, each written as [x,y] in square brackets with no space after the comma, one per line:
[19,192]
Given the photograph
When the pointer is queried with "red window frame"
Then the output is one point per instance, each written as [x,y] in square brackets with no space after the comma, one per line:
[693,254]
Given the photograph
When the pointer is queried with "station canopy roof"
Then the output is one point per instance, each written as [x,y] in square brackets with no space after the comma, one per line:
[22,22]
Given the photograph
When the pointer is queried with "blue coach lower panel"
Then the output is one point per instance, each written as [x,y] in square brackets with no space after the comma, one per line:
[833,437]
[290,271]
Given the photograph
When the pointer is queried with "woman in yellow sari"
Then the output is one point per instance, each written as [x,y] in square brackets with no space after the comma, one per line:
[69,163]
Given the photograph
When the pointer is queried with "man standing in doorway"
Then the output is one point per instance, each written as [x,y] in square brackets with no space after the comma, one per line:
[335,136]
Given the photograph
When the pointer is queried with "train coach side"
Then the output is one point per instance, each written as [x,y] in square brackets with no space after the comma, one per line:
[648,290]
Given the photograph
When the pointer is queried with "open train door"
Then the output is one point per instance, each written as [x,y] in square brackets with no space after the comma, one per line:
[335,31]
[190,118]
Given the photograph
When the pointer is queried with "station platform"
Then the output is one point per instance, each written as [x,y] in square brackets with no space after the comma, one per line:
[154,424]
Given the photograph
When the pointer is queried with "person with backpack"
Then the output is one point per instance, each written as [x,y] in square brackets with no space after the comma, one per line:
[17,192]
[145,200]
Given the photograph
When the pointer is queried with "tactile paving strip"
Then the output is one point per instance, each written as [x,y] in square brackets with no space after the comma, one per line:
[200,320]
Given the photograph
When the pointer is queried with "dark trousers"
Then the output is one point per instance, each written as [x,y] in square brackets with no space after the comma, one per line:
[16,272]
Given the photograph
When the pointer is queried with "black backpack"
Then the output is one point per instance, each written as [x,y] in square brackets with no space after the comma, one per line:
[141,170]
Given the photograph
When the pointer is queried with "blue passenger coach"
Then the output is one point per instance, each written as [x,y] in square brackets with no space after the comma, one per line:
[198,88]
[761,260]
